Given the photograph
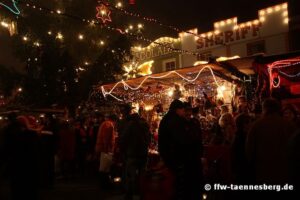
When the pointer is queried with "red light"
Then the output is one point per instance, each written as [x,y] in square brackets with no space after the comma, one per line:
[131,2]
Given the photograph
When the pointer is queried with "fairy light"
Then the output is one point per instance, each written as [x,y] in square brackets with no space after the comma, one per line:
[127,87]
[58,11]
[140,26]
[4,24]
[80,37]
[25,38]
[59,36]
[14,8]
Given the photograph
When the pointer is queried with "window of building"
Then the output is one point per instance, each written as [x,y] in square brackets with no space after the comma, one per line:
[169,64]
[204,56]
[256,47]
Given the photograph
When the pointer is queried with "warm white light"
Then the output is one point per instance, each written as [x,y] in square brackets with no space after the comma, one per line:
[229,21]
[170,93]
[204,196]
[235,20]
[59,36]
[217,32]
[242,25]
[20,89]
[286,20]
[4,24]
[285,13]
[222,23]
[262,19]
[119,5]
[80,37]
[277,8]
[209,34]
[269,10]
[148,107]
[140,26]
[58,11]
[25,38]
[37,44]
[236,27]
[196,38]
[130,27]
[117,179]
[256,22]
[86,63]
[103,12]
[49,33]
[101,42]
[217,25]
[284,6]
[262,12]
[200,62]
[249,23]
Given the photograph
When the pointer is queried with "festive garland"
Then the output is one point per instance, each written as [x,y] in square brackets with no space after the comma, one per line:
[13,8]
[126,86]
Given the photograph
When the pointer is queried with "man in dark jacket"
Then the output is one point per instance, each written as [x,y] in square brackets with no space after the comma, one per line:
[179,145]
[134,143]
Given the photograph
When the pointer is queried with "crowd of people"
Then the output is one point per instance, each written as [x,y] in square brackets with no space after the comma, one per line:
[197,143]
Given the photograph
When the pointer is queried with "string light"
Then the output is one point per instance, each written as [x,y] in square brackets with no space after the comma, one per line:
[126,86]
[59,36]
[80,37]
[25,38]
[14,8]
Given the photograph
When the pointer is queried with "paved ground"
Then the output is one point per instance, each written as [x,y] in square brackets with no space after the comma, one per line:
[77,189]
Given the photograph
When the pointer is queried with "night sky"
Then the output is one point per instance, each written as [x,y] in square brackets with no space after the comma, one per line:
[188,14]
[184,14]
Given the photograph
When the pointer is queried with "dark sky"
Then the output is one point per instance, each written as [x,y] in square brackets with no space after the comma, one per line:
[184,14]
[187,14]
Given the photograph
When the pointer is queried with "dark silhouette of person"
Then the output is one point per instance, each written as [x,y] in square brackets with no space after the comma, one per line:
[21,145]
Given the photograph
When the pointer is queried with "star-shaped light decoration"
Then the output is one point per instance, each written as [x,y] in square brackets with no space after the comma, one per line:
[134,70]
[103,13]
[12,8]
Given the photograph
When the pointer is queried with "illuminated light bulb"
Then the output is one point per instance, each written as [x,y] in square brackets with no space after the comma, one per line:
[249,23]
[284,6]
[130,27]
[229,21]
[119,5]
[140,26]
[242,25]
[236,27]
[103,12]
[4,24]
[222,23]
[80,37]
[59,36]
[204,196]
[277,8]
[269,10]
[20,89]
[256,22]
[196,38]
[262,19]
[235,20]
[285,13]
[25,38]
[217,32]
[58,11]
[37,44]
[286,20]
[101,42]
[209,34]
[262,12]
[49,33]
[170,93]
[86,63]
[217,25]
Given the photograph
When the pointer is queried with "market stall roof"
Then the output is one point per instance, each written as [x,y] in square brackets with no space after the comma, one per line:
[229,70]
